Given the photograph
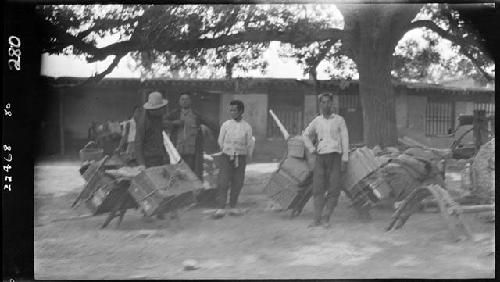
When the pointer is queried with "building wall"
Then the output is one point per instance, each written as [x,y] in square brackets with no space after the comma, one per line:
[412,124]
[415,129]
[416,112]
[402,109]
[115,102]
[310,108]
[469,108]
[48,131]
[224,106]
[255,112]
[83,107]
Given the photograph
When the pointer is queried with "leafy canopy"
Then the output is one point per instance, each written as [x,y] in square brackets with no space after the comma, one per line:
[165,39]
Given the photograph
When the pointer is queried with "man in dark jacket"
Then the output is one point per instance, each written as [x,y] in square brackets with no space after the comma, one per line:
[187,135]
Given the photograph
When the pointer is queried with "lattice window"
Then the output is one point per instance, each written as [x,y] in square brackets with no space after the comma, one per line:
[489,108]
[439,117]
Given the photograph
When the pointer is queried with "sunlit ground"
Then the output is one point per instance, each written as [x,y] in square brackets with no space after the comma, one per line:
[261,244]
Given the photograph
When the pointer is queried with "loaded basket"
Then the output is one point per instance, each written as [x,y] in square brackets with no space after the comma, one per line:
[104,192]
[290,186]
[162,189]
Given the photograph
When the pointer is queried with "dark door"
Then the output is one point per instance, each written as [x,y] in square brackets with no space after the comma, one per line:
[289,108]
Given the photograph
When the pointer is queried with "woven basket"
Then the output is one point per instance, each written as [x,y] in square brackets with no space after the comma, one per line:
[296,147]
[91,154]
[282,189]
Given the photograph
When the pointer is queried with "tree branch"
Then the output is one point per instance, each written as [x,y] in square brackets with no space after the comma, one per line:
[399,20]
[253,36]
[103,25]
[476,64]
[454,39]
[97,54]
[321,55]
[441,32]
[99,76]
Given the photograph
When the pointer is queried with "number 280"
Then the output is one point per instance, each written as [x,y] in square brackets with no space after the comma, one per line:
[14,51]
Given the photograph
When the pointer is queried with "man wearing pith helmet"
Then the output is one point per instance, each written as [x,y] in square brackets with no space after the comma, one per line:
[331,149]
[150,150]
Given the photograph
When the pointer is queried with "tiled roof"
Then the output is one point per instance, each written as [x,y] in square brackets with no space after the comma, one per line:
[243,85]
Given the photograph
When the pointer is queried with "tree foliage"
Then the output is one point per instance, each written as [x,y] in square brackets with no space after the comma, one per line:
[415,59]
[188,37]
[180,37]
[448,23]
[169,38]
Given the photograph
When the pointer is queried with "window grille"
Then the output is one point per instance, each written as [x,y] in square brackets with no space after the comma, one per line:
[439,117]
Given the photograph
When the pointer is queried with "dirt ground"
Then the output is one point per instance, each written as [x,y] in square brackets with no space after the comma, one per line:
[261,244]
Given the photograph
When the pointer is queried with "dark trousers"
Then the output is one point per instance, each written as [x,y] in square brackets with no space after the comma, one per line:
[230,178]
[189,159]
[326,183]
[156,161]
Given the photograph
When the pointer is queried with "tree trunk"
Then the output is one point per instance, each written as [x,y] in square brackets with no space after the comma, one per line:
[375,31]
[377,96]
[374,62]
[229,71]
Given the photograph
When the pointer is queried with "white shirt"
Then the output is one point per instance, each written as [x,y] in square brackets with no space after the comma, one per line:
[331,134]
[131,131]
[235,137]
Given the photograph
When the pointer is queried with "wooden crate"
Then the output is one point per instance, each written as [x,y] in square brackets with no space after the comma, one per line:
[98,186]
[165,188]
[296,147]
[361,163]
[282,188]
[91,154]
[376,186]
[359,196]
[296,168]
[92,169]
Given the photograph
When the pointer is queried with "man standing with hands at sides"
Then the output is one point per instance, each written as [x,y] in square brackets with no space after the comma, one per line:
[236,143]
[186,133]
[331,151]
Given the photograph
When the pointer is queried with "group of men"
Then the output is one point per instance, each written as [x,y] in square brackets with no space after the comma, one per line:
[326,137]
[143,144]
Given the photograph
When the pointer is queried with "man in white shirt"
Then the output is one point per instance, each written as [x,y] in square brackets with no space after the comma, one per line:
[236,143]
[331,149]
[127,142]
